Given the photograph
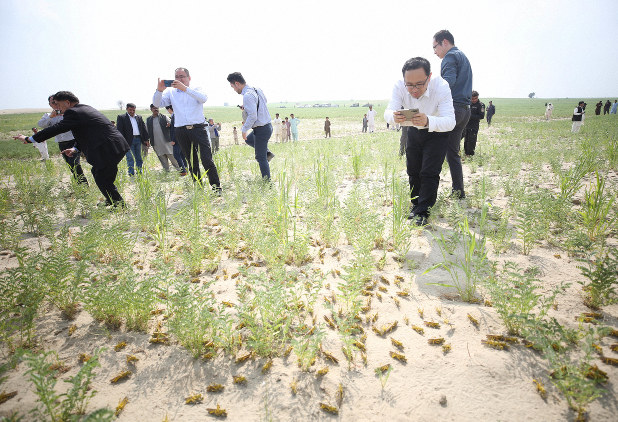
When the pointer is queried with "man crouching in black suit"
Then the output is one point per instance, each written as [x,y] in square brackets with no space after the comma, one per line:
[95,136]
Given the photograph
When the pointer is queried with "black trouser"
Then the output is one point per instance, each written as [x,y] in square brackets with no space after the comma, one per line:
[470,135]
[190,140]
[462,115]
[73,162]
[489,116]
[425,152]
[105,177]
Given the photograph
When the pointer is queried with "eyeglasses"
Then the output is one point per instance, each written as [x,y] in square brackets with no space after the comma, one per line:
[436,46]
[418,85]
[181,76]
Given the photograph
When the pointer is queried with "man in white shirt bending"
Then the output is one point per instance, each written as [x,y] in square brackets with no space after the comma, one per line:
[428,131]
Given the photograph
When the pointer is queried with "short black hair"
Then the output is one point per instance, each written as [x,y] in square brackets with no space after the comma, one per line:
[184,69]
[475,94]
[152,105]
[130,105]
[444,35]
[50,97]
[236,77]
[581,102]
[65,95]
[417,63]
[169,107]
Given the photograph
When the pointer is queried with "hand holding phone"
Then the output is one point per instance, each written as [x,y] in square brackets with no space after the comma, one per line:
[168,82]
[408,115]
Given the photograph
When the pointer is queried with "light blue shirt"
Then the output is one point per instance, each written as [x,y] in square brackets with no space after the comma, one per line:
[256,116]
[294,124]
[188,106]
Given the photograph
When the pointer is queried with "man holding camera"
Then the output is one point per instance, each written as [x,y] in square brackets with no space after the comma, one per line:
[95,136]
[134,131]
[428,102]
[189,123]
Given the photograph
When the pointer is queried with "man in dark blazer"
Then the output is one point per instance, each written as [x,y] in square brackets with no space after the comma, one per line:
[95,136]
[132,127]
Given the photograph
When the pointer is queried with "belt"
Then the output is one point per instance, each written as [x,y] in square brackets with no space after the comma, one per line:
[196,126]
[461,105]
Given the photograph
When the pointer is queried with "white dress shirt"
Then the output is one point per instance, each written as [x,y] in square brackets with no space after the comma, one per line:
[47,121]
[436,102]
[188,106]
[134,125]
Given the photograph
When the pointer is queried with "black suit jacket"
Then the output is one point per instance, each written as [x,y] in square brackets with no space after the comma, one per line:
[124,126]
[94,134]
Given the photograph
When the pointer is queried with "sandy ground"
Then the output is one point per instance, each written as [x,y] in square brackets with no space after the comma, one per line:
[470,383]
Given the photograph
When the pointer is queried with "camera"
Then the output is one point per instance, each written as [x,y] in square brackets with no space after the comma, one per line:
[168,82]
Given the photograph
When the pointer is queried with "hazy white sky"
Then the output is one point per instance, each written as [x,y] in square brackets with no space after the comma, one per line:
[297,50]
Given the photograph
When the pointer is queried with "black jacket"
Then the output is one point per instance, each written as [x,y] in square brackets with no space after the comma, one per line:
[123,123]
[94,134]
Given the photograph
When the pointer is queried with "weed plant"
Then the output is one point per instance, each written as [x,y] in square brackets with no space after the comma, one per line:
[597,213]
[516,295]
[69,406]
[602,278]
[466,271]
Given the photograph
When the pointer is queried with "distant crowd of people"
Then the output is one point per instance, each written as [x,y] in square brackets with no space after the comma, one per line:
[579,113]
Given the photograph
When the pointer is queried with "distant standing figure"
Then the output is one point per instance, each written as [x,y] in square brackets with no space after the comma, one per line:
[235,133]
[41,146]
[608,104]
[614,107]
[365,123]
[549,111]
[327,128]
[371,119]
[578,115]
[597,110]
[132,127]
[214,135]
[294,121]
[477,113]
[491,110]
[277,128]
[285,128]
[159,133]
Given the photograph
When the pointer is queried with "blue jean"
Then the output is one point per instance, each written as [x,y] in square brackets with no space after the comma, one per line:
[179,156]
[258,139]
[135,151]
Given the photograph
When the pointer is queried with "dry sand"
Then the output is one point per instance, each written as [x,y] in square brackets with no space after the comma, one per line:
[470,383]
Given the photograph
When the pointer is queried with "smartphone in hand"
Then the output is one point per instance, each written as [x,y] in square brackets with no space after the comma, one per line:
[168,82]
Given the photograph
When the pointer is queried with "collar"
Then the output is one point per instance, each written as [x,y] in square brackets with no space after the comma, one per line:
[245,89]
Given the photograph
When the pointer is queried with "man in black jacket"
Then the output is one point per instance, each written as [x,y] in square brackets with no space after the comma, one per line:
[477,113]
[132,127]
[95,136]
